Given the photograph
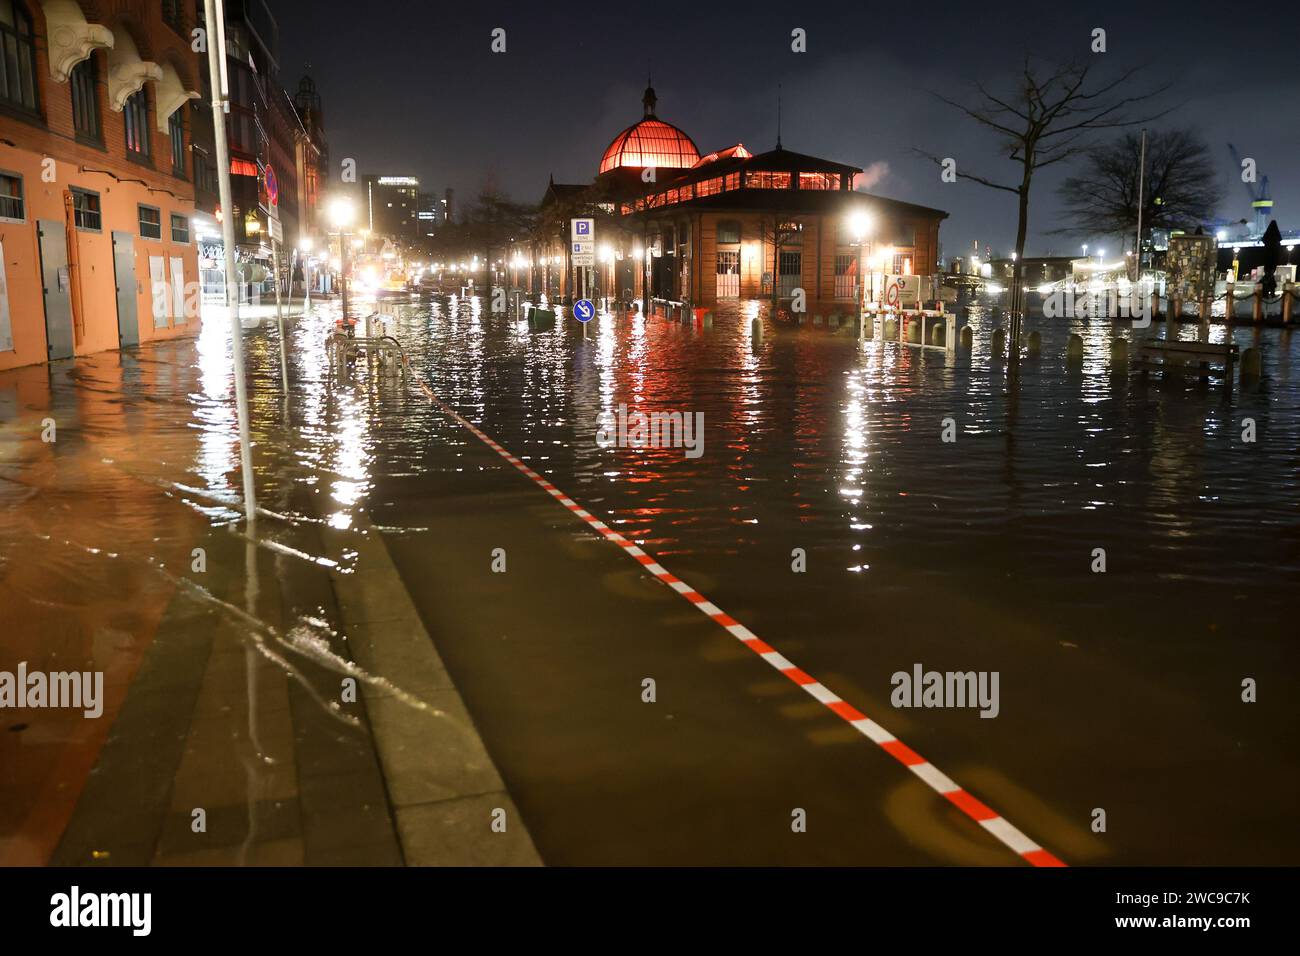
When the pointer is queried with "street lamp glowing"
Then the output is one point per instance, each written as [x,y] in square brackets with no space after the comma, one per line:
[341,211]
[305,243]
[860,223]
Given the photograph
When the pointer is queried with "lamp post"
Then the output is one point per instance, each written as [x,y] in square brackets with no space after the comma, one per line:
[341,213]
[304,244]
[860,223]
[215,18]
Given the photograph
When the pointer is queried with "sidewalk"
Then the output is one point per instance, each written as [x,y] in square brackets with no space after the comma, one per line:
[253,726]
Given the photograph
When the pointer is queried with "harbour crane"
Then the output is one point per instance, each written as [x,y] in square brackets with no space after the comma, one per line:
[1260,199]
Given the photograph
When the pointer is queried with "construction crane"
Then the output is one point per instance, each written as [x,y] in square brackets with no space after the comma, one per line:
[1260,200]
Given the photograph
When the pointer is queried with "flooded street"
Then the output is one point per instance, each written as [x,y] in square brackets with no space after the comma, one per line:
[825,512]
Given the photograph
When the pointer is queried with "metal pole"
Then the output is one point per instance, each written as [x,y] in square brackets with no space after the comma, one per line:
[279,317]
[214,16]
[343,272]
[1142,169]
[306,281]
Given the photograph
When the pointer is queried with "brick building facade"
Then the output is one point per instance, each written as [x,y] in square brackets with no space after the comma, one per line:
[96,178]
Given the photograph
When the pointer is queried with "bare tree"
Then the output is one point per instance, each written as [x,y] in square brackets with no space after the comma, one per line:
[1180,188]
[778,232]
[493,222]
[1042,121]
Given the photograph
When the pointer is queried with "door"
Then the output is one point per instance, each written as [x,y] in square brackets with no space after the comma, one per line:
[790,276]
[128,328]
[158,293]
[178,290]
[54,288]
[729,273]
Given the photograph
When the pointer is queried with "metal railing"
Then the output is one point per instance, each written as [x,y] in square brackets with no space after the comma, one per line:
[382,353]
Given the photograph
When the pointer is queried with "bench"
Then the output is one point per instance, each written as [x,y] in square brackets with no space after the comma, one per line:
[1198,357]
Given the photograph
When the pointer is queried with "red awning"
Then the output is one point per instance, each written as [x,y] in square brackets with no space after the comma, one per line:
[242,167]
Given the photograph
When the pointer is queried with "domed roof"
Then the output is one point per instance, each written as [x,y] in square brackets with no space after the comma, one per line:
[651,142]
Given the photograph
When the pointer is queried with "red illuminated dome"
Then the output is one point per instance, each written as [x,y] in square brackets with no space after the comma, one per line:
[651,142]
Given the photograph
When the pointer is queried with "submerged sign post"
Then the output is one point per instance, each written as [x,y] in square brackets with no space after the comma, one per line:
[582,252]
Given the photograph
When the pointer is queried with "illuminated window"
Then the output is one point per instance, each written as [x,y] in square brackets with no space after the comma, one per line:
[819,181]
[767,180]
[135,118]
[651,142]
[732,181]
[728,231]
[709,187]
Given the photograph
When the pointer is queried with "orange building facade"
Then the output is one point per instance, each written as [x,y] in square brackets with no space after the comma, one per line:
[96,183]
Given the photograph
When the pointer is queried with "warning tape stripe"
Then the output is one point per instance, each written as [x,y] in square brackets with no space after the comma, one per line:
[927,772]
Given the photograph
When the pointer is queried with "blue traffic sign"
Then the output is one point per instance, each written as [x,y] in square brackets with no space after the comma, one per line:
[583,310]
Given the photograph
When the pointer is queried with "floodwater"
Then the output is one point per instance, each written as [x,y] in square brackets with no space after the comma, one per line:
[1120,689]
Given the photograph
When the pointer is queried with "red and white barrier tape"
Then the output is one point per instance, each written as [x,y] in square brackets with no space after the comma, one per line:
[936,779]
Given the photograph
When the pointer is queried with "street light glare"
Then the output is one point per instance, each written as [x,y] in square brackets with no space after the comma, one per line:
[861,222]
[341,211]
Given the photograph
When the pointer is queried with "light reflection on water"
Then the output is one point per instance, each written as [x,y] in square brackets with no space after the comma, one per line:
[812,441]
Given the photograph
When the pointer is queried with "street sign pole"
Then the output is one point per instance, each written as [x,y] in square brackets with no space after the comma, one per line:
[215,19]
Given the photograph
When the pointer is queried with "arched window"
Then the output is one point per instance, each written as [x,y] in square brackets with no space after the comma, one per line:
[135,117]
[17,57]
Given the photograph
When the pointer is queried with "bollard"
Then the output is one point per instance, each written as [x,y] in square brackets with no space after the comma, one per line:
[817,320]
[1229,305]
[1257,308]
[708,318]
[756,328]
[1155,303]
[937,334]
[1074,349]
[913,330]
[1250,364]
[1287,294]
[1175,310]
[999,341]
[1119,351]
[890,328]
[1035,342]
[967,337]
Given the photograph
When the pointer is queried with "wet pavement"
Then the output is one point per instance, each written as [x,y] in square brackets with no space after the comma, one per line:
[1119,691]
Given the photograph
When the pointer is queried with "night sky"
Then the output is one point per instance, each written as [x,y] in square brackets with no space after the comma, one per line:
[411,87]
